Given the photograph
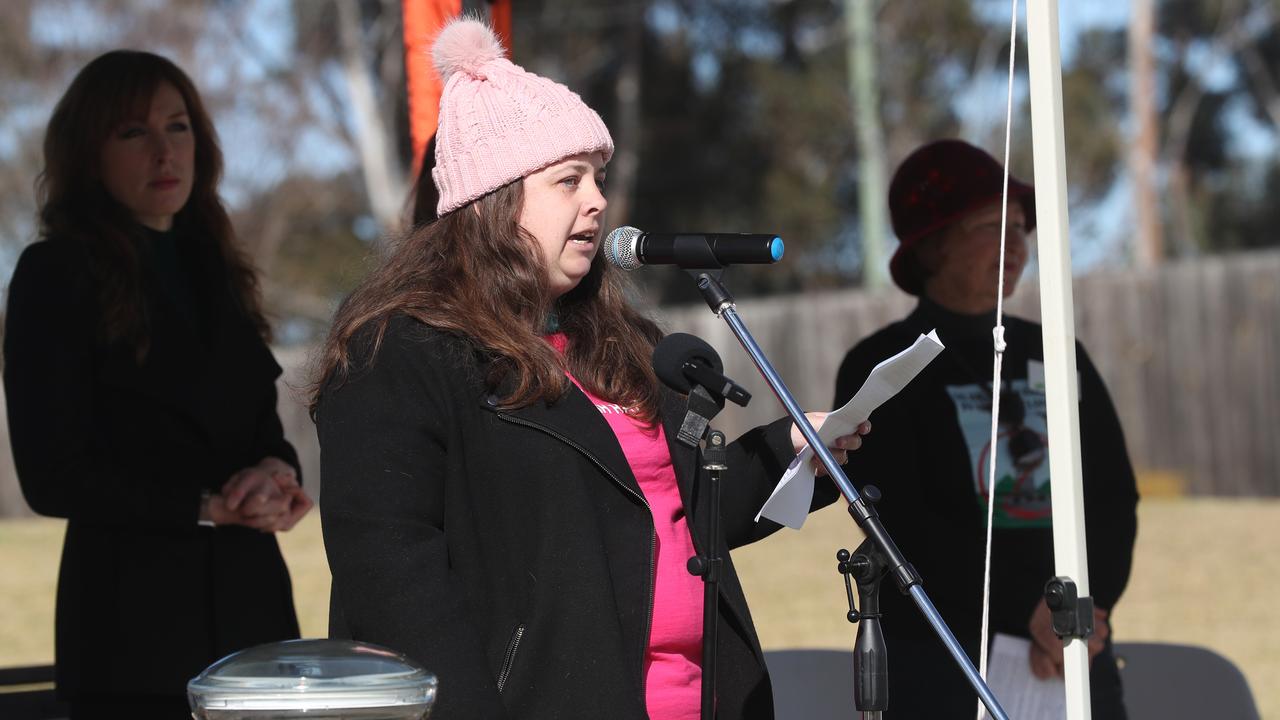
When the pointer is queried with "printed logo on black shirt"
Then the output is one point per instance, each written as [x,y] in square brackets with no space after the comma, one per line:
[1022,458]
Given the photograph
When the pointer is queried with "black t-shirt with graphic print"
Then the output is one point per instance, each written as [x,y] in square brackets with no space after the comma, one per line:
[928,453]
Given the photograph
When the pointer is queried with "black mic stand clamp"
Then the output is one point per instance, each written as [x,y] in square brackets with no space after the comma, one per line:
[867,567]
[1072,615]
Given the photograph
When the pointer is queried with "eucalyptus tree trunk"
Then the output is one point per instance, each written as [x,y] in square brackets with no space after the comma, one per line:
[864,91]
[384,178]
[1148,237]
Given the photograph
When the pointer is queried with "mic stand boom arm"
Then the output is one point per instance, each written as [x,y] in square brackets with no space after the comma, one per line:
[909,581]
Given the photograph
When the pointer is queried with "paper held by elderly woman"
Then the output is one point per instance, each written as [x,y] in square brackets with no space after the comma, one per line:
[790,501]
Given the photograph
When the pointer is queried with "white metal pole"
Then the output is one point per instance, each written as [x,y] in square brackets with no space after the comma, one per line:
[1044,63]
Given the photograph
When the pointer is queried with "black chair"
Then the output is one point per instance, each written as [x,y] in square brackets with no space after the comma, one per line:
[1162,681]
[811,684]
[26,693]
[1167,682]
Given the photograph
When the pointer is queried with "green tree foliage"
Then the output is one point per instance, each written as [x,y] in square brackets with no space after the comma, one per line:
[1091,92]
[1221,61]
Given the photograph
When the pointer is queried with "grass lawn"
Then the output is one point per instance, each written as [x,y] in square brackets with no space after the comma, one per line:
[1205,574]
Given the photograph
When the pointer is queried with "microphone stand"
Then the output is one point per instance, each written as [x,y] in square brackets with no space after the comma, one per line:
[908,579]
[704,405]
[708,565]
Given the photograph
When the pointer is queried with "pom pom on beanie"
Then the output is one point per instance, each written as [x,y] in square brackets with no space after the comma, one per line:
[465,47]
[498,122]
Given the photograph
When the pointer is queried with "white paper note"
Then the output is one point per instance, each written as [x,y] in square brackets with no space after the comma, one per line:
[790,501]
[1022,694]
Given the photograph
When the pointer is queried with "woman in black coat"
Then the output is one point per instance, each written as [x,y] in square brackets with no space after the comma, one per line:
[141,398]
[504,499]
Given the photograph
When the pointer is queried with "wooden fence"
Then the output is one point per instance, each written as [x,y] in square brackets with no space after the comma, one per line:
[1189,352]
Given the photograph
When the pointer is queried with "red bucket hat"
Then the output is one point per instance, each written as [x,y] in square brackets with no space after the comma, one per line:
[934,187]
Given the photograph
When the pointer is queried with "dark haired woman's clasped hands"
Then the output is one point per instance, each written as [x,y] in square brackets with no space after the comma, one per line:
[266,497]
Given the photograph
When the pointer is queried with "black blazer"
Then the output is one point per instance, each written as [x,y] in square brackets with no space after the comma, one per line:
[511,552]
[146,597]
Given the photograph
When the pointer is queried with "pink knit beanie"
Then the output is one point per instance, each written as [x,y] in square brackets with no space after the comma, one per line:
[499,122]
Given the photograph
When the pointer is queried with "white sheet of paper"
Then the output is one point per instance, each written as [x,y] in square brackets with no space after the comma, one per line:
[1022,694]
[791,498]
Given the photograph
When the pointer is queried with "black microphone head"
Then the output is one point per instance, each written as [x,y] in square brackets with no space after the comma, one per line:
[676,349]
[620,248]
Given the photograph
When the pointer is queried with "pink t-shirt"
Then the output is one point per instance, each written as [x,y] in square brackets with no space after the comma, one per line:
[673,661]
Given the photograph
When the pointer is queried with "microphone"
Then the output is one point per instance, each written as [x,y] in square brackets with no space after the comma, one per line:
[629,248]
[681,360]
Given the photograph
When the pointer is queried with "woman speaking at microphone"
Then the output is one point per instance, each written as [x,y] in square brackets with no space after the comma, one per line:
[502,498]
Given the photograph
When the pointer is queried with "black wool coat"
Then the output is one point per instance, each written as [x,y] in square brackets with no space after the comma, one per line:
[511,551]
[146,597]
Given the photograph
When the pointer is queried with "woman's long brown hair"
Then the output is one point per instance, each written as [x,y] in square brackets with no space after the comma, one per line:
[475,273]
[75,206]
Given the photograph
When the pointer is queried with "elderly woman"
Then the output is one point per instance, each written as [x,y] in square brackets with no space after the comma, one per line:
[932,442]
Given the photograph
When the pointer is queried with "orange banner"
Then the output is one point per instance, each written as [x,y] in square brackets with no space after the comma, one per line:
[422,22]
[500,17]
